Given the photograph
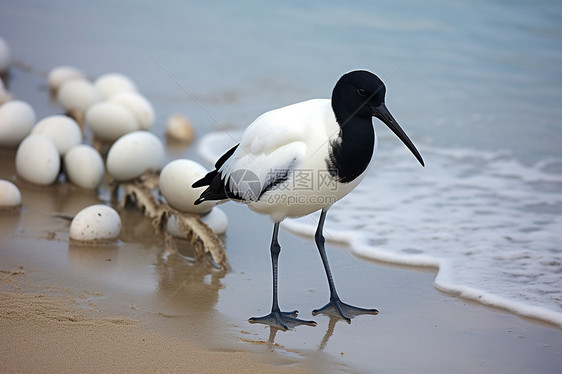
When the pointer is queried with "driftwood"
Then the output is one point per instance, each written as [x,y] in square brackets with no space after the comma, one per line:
[143,193]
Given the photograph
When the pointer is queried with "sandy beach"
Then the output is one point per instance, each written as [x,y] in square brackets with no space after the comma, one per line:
[125,308]
[46,334]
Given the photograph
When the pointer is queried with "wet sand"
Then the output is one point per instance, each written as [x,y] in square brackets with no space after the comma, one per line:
[125,307]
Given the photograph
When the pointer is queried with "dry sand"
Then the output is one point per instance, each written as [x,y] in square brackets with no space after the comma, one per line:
[46,334]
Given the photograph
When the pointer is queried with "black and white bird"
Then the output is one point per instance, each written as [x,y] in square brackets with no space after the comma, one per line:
[301,158]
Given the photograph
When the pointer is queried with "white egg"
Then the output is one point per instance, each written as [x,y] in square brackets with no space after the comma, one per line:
[84,166]
[77,95]
[16,121]
[133,154]
[138,105]
[38,160]
[10,196]
[4,56]
[4,94]
[175,185]
[217,220]
[114,83]
[60,74]
[94,223]
[109,120]
[178,127]
[62,130]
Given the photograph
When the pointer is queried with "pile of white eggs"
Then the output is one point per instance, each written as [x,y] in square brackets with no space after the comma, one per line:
[112,110]
[110,106]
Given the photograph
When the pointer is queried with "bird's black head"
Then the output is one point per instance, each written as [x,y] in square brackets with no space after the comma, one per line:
[356,93]
[360,94]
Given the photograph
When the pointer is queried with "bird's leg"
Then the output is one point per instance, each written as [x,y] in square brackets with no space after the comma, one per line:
[277,318]
[335,306]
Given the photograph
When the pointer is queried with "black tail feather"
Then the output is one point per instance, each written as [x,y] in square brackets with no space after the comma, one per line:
[216,189]
[206,180]
[220,162]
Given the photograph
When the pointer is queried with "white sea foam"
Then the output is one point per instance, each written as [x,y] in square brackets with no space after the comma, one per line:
[490,224]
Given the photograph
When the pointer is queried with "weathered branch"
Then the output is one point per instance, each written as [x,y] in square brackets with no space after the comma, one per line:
[141,192]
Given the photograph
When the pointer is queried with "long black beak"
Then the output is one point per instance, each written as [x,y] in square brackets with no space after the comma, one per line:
[382,113]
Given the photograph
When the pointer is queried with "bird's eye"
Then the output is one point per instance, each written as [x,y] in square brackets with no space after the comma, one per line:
[361,92]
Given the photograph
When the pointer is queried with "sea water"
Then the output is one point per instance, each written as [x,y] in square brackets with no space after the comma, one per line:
[478,88]
[477,85]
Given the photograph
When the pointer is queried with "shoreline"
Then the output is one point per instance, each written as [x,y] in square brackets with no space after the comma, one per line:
[536,313]
[214,144]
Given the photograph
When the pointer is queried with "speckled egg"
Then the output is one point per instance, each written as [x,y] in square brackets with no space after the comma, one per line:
[95,223]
